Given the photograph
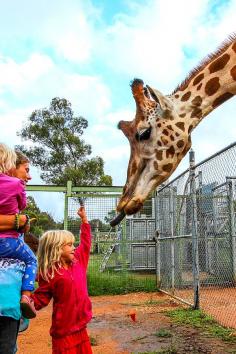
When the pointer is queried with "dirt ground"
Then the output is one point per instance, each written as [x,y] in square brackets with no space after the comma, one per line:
[217,302]
[114,332]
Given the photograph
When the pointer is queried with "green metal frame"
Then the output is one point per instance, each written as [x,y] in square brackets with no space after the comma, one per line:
[70,191]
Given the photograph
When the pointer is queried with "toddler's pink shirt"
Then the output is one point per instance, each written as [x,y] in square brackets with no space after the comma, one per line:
[12,199]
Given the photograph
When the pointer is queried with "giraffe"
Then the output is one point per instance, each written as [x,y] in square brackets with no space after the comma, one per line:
[160,134]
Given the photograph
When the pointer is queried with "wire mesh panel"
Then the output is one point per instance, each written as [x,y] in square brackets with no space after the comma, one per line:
[142,247]
[122,255]
[215,214]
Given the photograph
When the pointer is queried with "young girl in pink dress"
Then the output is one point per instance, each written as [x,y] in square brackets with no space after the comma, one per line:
[62,277]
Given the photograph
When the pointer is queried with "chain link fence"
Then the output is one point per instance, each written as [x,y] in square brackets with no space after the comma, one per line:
[196,223]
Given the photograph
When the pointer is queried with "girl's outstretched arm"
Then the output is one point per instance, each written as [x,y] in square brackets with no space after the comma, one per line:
[83,250]
[83,216]
[42,294]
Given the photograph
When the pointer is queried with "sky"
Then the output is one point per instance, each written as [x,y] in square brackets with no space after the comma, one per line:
[88,51]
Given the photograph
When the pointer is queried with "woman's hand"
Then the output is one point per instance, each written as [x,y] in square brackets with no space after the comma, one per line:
[82,213]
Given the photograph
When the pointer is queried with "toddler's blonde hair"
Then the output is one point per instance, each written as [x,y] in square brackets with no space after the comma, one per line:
[7,158]
[50,250]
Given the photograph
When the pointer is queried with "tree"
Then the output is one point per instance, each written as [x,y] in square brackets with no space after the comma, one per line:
[58,148]
[43,220]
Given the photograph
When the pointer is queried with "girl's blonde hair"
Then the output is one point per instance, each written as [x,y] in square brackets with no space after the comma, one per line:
[50,250]
[7,158]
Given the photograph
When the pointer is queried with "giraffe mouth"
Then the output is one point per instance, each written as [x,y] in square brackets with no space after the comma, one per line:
[118,219]
[132,207]
[129,204]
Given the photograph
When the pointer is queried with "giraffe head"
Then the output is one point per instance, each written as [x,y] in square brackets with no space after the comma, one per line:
[158,141]
[159,135]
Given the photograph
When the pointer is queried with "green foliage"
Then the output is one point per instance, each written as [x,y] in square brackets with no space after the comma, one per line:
[58,148]
[200,320]
[163,333]
[44,220]
[97,224]
[93,341]
[110,215]
[74,227]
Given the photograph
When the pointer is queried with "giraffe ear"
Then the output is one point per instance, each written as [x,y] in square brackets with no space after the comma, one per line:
[164,102]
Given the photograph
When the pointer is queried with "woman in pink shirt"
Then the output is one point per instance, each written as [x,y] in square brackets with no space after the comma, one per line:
[12,201]
[62,276]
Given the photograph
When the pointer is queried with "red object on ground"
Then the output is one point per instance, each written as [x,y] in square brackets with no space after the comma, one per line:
[133,316]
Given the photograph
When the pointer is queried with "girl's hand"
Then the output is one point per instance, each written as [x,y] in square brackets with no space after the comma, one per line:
[81,212]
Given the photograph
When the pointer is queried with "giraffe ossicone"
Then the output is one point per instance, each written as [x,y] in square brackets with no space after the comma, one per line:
[160,134]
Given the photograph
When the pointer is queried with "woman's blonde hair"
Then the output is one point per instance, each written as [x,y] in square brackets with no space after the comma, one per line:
[7,158]
[50,250]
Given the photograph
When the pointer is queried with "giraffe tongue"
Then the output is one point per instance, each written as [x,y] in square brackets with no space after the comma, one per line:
[117,219]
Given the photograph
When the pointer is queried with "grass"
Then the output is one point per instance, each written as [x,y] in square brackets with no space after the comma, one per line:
[112,282]
[199,320]
[148,303]
[139,338]
[93,341]
[117,284]
[163,333]
[170,350]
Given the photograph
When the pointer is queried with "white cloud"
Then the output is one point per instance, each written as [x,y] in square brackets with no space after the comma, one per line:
[11,122]
[89,93]
[38,80]
[73,42]
[105,137]
[16,78]
[151,43]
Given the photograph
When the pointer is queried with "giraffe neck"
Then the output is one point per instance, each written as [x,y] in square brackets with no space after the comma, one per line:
[208,86]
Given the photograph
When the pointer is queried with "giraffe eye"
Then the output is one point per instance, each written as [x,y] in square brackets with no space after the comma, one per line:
[143,134]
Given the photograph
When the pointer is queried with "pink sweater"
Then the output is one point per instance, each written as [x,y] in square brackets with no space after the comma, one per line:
[71,304]
[12,199]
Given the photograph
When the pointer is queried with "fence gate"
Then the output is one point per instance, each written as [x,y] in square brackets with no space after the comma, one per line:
[196,222]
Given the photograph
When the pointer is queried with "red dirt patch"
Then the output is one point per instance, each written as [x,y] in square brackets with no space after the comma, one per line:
[115,332]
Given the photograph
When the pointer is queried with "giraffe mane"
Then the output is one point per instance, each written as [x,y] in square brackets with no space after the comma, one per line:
[226,43]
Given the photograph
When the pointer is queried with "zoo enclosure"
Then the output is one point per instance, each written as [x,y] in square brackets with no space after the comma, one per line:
[193,257]
[196,222]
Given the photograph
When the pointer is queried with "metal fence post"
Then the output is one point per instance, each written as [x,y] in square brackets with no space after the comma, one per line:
[67,195]
[172,242]
[121,229]
[195,256]
[232,227]
[156,239]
